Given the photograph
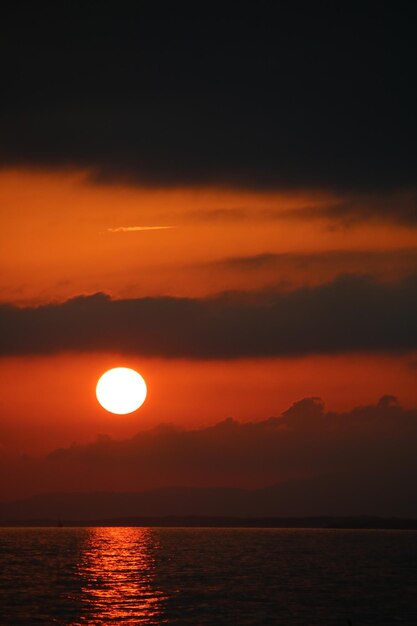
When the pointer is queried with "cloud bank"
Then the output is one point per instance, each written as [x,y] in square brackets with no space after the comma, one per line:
[360,461]
[352,313]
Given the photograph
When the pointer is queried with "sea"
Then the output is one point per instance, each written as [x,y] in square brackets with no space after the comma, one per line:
[199,576]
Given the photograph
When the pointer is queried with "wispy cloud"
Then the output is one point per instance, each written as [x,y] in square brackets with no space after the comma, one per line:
[131,229]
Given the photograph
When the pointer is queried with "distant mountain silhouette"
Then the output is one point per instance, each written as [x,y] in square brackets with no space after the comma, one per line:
[337,495]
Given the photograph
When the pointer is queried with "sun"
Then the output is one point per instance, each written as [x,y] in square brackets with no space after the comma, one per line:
[121,390]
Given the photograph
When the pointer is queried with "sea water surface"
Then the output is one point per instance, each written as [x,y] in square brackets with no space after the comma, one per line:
[201,576]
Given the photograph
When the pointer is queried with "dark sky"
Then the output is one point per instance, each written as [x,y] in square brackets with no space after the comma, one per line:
[304,94]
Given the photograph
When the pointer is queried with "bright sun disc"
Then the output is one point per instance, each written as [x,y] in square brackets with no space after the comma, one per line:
[121,390]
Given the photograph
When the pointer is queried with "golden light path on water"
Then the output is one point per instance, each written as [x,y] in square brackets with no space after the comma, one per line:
[117,567]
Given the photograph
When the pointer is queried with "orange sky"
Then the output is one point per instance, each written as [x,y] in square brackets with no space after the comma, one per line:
[50,401]
[56,243]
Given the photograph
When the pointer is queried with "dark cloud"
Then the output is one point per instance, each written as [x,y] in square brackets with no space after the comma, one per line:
[360,461]
[293,98]
[352,313]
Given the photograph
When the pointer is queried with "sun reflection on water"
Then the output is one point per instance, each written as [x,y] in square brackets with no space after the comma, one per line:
[117,566]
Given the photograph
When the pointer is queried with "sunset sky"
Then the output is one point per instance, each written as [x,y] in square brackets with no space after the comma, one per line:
[228,206]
